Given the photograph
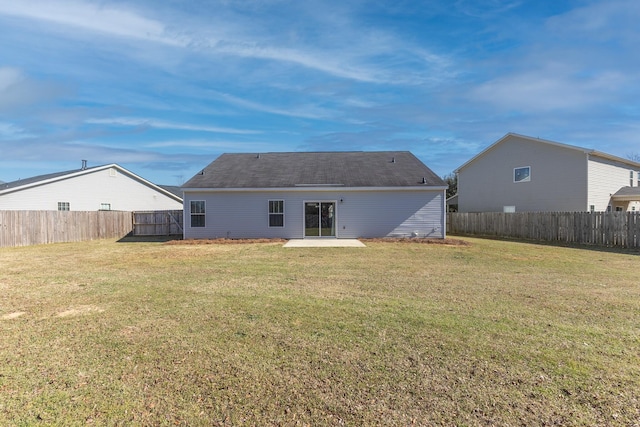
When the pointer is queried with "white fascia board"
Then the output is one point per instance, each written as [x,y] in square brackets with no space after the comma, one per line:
[58,178]
[91,170]
[315,189]
[529,138]
[634,165]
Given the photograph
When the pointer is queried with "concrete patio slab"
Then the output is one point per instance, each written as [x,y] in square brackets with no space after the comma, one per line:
[324,243]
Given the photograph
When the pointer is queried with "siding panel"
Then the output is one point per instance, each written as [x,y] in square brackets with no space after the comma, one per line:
[558,179]
[605,178]
[360,214]
[86,192]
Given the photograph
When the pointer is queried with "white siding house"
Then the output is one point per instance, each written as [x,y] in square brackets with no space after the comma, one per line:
[525,174]
[311,195]
[107,187]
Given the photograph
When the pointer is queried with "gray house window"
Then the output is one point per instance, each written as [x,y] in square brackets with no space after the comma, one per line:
[276,213]
[522,174]
[197,213]
[63,206]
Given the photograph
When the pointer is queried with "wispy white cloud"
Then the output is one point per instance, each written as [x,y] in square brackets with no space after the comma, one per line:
[304,111]
[213,145]
[17,90]
[9,131]
[161,124]
[544,90]
[347,52]
[92,17]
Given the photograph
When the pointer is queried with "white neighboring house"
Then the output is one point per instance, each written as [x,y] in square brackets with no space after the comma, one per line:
[525,174]
[315,195]
[107,187]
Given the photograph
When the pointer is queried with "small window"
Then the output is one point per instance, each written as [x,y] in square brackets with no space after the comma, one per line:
[618,208]
[609,208]
[522,174]
[276,213]
[63,206]
[197,213]
[105,206]
[631,179]
[638,175]
[592,208]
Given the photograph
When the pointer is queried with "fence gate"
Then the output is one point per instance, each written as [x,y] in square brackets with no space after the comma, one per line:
[157,223]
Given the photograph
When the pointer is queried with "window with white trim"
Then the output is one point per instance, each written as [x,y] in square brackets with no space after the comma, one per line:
[197,211]
[522,174]
[276,213]
[63,206]
[105,206]
[631,179]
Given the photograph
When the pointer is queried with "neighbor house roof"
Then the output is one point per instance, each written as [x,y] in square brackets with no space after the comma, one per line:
[557,144]
[627,194]
[174,189]
[22,184]
[316,169]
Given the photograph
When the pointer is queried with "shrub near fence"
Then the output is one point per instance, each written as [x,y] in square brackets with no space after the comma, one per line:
[23,228]
[621,229]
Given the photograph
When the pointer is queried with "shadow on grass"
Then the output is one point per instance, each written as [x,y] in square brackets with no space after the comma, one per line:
[129,238]
[595,248]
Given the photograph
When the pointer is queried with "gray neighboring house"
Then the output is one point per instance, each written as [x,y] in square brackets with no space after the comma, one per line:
[106,187]
[315,195]
[524,174]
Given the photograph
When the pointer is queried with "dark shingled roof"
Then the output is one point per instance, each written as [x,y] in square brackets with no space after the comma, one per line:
[173,189]
[628,191]
[36,179]
[345,169]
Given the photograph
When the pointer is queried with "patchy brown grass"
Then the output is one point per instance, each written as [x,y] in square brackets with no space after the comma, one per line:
[427,241]
[494,333]
[224,241]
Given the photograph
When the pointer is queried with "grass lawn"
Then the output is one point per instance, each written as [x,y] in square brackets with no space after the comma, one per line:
[496,333]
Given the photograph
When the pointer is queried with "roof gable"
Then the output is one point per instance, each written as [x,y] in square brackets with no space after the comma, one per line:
[587,151]
[315,169]
[23,184]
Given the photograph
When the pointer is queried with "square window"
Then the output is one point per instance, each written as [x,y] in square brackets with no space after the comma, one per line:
[276,213]
[197,210]
[63,206]
[522,174]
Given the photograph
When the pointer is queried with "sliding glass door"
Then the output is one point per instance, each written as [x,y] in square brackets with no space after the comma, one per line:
[319,219]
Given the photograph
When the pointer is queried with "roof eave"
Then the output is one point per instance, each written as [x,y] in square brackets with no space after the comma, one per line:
[91,170]
[314,188]
[530,138]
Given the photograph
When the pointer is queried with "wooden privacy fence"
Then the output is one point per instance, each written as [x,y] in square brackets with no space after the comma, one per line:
[23,228]
[620,229]
[157,223]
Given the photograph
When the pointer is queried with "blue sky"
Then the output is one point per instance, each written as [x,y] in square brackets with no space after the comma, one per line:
[163,88]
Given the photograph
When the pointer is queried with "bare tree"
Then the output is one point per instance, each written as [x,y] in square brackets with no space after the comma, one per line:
[452,182]
[634,157]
